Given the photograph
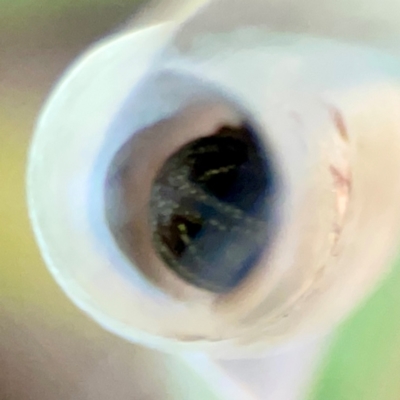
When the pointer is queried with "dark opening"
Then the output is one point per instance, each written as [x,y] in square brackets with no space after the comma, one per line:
[211,208]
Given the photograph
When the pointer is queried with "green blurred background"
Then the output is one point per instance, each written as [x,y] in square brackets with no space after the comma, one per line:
[48,348]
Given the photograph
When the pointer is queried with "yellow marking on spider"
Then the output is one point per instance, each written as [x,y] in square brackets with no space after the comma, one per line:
[183,230]
[217,171]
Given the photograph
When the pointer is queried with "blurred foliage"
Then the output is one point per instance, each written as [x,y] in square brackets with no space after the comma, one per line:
[364,361]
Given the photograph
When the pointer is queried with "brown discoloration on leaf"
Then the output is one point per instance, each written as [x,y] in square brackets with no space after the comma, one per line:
[339,123]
